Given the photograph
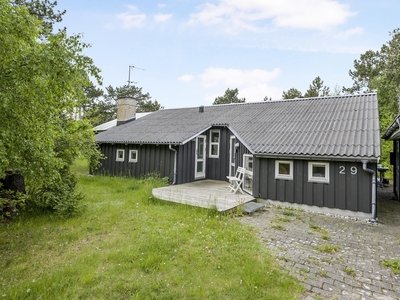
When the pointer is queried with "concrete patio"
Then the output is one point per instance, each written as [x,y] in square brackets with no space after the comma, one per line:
[204,193]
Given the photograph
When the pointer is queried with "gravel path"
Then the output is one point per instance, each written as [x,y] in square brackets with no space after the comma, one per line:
[335,257]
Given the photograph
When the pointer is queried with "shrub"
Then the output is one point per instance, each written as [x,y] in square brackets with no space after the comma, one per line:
[60,196]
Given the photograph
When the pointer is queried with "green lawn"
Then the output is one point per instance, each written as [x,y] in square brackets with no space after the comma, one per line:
[126,245]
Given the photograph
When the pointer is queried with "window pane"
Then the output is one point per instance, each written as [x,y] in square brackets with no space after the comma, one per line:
[284,168]
[232,158]
[248,182]
[214,149]
[120,154]
[318,171]
[199,166]
[249,163]
[200,149]
[133,155]
[250,166]
[214,137]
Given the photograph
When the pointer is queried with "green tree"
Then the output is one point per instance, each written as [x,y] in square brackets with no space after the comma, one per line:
[40,84]
[292,93]
[230,96]
[43,10]
[266,98]
[379,71]
[317,89]
[143,101]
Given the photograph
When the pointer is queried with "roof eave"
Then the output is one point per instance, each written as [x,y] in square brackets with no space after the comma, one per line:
[318,157]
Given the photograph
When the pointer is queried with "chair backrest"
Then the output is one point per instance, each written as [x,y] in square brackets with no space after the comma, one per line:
[240,172]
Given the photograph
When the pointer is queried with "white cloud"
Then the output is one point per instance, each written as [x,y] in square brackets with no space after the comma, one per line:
[215,76]
[256,15]
[186,78]
[252,84]
[350,32]
[162,17]
[132,18]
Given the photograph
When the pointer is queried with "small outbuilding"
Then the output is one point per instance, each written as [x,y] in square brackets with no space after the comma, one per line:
[319,152]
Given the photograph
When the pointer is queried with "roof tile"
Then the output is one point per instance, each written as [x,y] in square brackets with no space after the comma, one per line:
[338,126]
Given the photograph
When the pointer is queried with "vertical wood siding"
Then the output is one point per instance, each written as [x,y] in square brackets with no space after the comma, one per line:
[151,159]
[344,190]
[186,162]
[218,168]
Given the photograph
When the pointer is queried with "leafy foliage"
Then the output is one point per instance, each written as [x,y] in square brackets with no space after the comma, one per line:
[41,82]
[380,71]
[44,11]
[317,89]
[292,93]
[266,98]
[230,96]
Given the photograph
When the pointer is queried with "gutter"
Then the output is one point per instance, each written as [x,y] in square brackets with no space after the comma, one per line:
[392,129]
[175,160]
[315,157]
[373,200]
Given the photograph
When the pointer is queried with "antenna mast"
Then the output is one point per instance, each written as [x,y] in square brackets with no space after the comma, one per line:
[129,76]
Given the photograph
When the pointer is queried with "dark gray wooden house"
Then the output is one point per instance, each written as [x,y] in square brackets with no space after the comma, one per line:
[393,134]
[320,152]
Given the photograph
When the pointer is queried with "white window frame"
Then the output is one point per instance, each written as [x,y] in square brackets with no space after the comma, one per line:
[248,173]
[284,176]
[130,155]
[123,155]
[312,178]
[214,143]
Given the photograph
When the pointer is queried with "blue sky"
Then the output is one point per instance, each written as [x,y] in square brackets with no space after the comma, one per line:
[192,51]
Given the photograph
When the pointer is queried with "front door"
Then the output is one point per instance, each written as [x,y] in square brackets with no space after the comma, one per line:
[200,163]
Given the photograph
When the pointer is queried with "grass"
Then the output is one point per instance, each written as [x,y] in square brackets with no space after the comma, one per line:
[350,271]
[329,248]
[324,234]
[393,264]
[288,211]
[278,227]
[127,245]
[323,273]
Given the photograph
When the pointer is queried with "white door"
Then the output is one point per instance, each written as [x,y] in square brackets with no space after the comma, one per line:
[232,156]
[200,163]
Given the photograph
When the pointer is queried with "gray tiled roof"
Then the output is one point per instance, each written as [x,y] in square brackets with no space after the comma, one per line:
[340,126]
[113,123]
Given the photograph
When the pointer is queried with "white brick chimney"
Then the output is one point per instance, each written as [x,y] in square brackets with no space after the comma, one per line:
[126,110]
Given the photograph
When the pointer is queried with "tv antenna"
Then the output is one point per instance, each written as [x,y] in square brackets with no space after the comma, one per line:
[129,76]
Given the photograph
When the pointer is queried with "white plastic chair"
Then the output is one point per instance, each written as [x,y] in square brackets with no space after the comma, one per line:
[235,182]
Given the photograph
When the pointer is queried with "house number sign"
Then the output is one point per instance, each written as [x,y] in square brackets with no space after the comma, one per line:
[342,170]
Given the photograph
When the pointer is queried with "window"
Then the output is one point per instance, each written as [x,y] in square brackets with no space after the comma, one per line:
[318,172]
[120,155]
[248,175]
[214,143]
[133,156]
[248,162]
[284,169]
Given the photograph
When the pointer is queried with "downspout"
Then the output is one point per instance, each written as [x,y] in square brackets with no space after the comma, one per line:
[175,159]
[373,202]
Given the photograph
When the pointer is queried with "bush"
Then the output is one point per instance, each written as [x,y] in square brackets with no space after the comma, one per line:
[60,196]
